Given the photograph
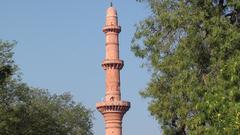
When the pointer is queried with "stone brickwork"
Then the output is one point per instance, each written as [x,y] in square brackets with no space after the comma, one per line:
[112,108]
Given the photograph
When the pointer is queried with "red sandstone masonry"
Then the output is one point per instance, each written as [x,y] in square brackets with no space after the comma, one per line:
[112,108]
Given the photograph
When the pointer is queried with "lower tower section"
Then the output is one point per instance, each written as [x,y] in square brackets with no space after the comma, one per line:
[113,113]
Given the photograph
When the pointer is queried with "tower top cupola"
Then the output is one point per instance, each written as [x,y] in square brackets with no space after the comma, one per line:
[111,23]
[111,16]
[111,11]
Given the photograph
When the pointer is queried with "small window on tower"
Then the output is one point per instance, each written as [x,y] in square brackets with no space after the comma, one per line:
[112,99]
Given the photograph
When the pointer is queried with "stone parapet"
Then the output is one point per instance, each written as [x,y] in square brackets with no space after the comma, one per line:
[112,64]
[111,28]
[113,106]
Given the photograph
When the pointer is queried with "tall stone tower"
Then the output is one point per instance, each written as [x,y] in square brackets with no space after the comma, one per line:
[112,108]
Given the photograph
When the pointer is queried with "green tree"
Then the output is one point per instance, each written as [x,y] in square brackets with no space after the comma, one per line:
[30,111]
[193,50]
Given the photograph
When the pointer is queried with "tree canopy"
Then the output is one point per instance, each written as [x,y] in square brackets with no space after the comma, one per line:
[26,110]
[193,50]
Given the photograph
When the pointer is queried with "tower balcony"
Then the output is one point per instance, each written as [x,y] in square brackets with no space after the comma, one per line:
[113,106]
[112,64]
[112,28]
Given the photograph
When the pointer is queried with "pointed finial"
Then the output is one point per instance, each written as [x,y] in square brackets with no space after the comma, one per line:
[111,4]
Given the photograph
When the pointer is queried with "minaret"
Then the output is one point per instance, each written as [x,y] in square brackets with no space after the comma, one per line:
[112,108]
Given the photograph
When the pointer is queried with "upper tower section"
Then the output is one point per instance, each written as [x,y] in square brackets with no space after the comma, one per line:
[112,30]
[111,23]
[111,18]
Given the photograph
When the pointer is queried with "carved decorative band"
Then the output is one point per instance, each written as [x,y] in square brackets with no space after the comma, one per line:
[111,28]
[112,64]
[110,127]
[121,107]
[117,108]
[111,43]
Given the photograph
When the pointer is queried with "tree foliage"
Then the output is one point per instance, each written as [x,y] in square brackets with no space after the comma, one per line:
[30,111]
[193,50]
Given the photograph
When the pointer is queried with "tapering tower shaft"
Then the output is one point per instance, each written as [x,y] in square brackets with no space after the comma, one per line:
[112,64]
[112,108]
